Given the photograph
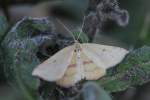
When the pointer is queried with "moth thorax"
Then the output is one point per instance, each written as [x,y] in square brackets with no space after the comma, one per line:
[79,62]
[77,47]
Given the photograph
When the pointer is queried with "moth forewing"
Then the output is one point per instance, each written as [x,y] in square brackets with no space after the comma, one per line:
[54,68]
[104,56]
[73,72]
[90,70]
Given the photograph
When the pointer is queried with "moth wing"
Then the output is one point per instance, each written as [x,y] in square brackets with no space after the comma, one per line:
[54,68]
[72,75]
[91,70]
[69,79]
[104,56]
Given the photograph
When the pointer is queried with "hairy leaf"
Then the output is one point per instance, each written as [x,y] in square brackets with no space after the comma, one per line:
[3,29]
[20,47]
[133,71]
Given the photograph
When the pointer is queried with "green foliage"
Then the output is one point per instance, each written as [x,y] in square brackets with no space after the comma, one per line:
[20,47]
[91,91]
[1,66]
[81,36]
[3,26]
[3,29]
[133,71]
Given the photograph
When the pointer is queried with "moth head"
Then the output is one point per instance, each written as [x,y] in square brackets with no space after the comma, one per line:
[77,46]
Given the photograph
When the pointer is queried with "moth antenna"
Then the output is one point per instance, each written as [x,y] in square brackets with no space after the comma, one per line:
[81,30]
[69,31]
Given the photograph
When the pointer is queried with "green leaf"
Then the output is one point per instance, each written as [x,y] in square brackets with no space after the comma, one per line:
[20,47]
[3,27]
[81,36]
[2,77]
[91,91]
[133,71]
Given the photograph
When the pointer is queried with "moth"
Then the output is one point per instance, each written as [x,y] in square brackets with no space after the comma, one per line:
[74,63]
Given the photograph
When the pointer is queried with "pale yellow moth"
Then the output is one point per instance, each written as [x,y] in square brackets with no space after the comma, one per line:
[87,61]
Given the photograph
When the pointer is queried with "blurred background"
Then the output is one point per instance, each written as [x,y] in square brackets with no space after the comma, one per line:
[131,30]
